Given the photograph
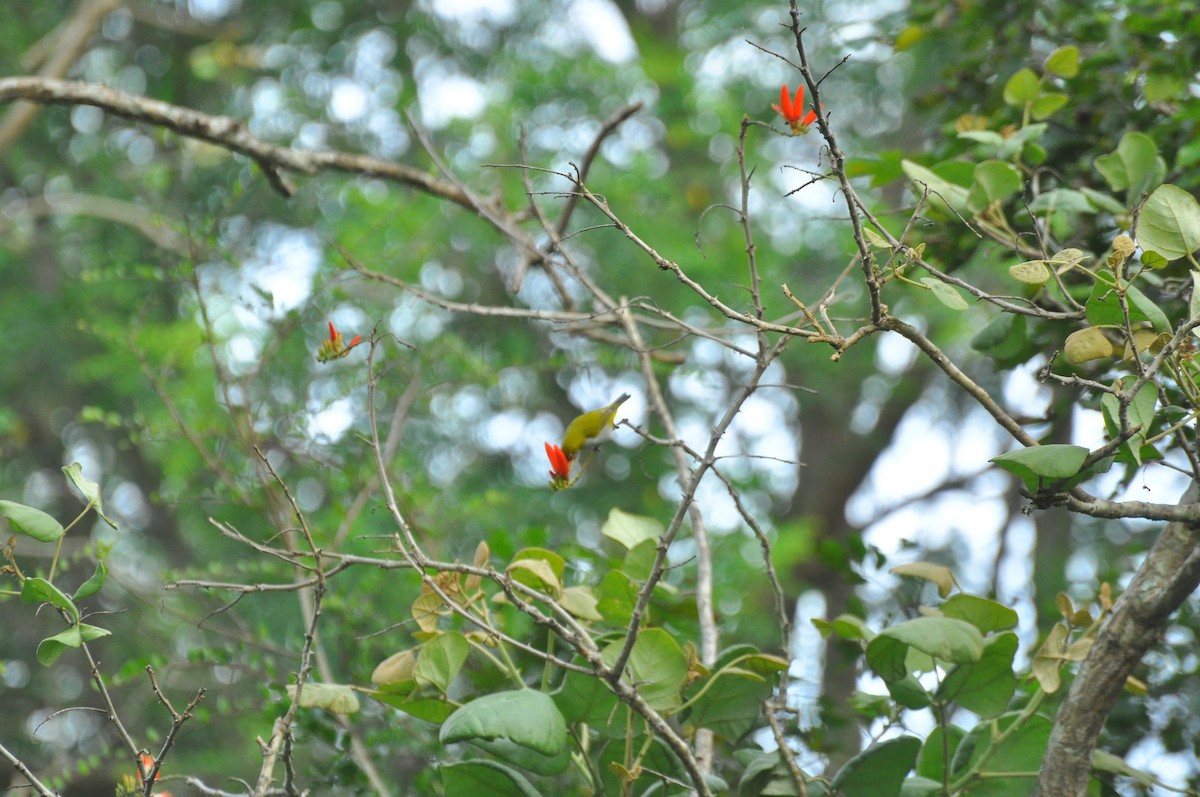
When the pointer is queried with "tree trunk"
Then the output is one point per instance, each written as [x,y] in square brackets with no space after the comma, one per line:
[1166,578]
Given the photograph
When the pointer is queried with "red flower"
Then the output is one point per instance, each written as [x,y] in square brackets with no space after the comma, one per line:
[791,111]
[560,466]
[146,767]
[333,348]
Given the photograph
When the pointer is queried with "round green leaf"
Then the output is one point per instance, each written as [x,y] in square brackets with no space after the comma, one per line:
[630,530]
[1132,166]
[1087,344]
[657,664]
[1023,87]
[942,192]
[616,595]
[481,778]
[731,703]
[525,717]
[1031,272]
[1063,62]
[994,180]
[986,686]
[582,698]
[942,638]
[581,602]
[1170,223]
[879,770]
[940,575]
[1048,104]
[1020,752]
[440,659]
[986,615]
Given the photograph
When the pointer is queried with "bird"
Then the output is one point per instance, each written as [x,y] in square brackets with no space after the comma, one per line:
[591,428]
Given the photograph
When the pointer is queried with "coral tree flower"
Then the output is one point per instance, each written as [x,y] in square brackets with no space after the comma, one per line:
[334,348]
[147,767]
[560,466]
[792,111]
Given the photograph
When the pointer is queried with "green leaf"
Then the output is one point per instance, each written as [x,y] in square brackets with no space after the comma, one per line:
[986,615]
[338,698]
[1022,88]
[1048,104]
[89,633]
[396,669]
[554,561]
[1049,659]
[1134,166]
[1141,412]
[1063,62]
[1005,338]
[39,590]
[879,770]
[616,595]
[639,560]
[90,587]
[1104,761]
[989,137]
[943,638]
[995,180]
[1036,465]
[430,709]
[525,717]
[908,692]
[440,659]
[31,522]
[1087,344]
[940,575]
[584,699]
[1062,200]
[845,626]
[938,751]
[539,569]
[986,686]
[1020,753]
[524,758]
[1025,140]
[630,530]
[1170,223]
[943,194]
[482,778]
[657,666]
[1103,308]
[946,294]
[1103,202]
[1030,272]
[581,602]
[89,489]
[1159,86]
[731,703]
[51,648]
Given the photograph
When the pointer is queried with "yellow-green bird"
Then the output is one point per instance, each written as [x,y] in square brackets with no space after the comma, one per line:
[591,428]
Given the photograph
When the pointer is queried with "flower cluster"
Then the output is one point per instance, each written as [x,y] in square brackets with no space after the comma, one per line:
[792,111]
[333,348]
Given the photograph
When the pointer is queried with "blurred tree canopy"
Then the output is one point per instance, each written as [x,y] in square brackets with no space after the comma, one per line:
[348,573]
